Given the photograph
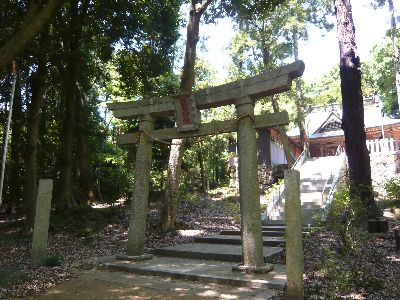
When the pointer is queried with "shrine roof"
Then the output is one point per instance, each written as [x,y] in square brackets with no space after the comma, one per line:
[326,121]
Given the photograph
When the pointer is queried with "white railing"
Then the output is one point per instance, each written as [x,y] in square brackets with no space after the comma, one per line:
[383,145]
[277,196]
[330,185]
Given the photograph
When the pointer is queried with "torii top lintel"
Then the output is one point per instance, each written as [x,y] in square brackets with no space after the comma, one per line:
[269,83]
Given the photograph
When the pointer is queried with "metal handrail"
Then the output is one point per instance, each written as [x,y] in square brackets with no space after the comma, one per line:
[300,160]
[334,178]
[277,196]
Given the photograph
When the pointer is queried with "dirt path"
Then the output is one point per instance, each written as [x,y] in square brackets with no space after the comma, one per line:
[104,285]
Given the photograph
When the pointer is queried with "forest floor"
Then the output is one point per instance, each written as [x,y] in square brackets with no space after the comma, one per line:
[370,271]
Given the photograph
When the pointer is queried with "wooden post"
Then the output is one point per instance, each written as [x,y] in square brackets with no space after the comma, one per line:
[137,221]
[294,242]
[252,242]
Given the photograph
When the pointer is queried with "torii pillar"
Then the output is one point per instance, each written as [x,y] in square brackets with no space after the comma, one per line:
[252,241]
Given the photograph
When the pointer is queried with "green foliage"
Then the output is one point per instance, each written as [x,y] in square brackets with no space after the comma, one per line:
[273,188]
[53,261]
[346,217]
[382,73]
[392,187]
[332,269]
[326,89]
[348,269]
[115,179]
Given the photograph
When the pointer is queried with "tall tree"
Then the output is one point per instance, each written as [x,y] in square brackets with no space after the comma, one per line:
[353,110]
[38,13]
[216,10]
[274,36]
[16,146]
[76,15]
[168,214]
[90,32]
[38,89]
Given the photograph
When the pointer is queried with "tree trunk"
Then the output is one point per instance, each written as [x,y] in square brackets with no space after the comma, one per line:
[353,110]
[65,197]
[168,215]
[396,52]
[305,144]
[30,187]
[36,18]
[282,132]
[16,149]
[201,163]
[285,141]
[77,12]
[263,147]
[85,178]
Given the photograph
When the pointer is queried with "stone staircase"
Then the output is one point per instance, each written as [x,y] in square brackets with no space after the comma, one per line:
[210,259]
[314,173]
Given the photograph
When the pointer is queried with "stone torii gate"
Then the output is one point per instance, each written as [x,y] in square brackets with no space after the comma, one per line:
[243,94]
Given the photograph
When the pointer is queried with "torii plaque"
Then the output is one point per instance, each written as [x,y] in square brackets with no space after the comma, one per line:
[242,94]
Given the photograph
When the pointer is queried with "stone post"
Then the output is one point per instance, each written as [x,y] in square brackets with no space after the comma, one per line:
[252,242]
[42,217]
[138,214]
[294,243]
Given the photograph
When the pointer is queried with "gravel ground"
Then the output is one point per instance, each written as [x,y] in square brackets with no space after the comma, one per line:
[370,272]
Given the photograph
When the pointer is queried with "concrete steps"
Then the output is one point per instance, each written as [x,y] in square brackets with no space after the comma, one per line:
[211,258]
[207,271]
[313,174]
[264,233]
[221,252]
[236,240]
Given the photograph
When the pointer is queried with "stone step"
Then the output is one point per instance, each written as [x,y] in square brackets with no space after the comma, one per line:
[307,216]
[237,240]
[264,233]
[232,253]
[274,228]
[218,272]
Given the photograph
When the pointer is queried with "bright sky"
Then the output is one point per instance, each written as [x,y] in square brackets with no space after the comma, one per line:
[320,52]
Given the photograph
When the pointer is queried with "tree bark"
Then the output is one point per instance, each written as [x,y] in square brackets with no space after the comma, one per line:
[305,144]
[85,178]
[285,141]
[65,198]
[201,163]
[353,110]
[395,49]
[16,149]
[30,186]
[168,214]
[36,18]
[263,147]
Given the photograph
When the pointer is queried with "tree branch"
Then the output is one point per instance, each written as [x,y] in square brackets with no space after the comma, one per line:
[33,23]
[204,6]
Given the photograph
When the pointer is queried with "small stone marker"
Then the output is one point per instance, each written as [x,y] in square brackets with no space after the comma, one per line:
[42,217]
[294,243]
